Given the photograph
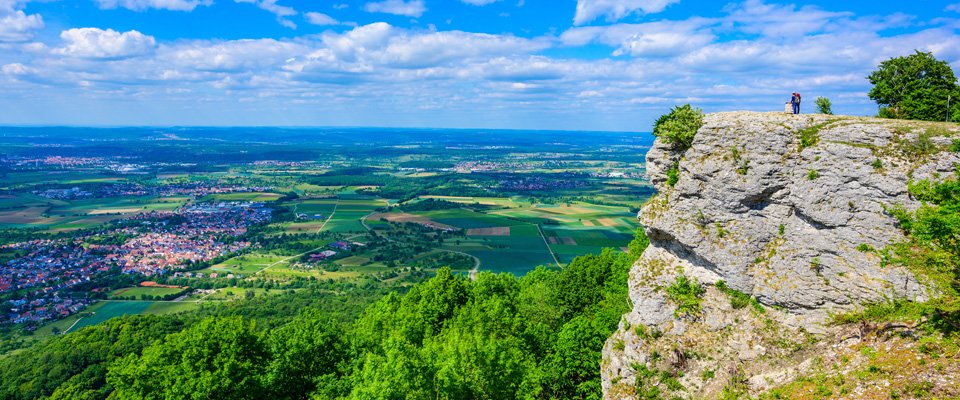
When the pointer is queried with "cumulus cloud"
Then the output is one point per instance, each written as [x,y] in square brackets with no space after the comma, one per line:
[18,26]
[317,18]
[99,43]
[142,5]
[412,8]
[614,10]
[740,57]
[15,25]
[230,56]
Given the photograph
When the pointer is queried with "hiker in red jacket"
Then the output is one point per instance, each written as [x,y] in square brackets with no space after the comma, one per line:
[795,101]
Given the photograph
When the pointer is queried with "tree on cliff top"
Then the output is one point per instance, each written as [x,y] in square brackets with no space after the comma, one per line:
[914,87]
[679,126]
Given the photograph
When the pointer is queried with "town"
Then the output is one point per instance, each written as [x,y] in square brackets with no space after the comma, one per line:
[147,244]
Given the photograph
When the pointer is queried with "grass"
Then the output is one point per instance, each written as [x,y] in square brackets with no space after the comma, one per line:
[686,294]
[138,292]
[673,175]
[246,264]
[810,135]
[28,211]
[739,299]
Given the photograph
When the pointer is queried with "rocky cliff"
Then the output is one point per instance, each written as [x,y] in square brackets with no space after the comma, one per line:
[785,210]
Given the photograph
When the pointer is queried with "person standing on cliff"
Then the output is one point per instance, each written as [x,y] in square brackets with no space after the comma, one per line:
[795,101]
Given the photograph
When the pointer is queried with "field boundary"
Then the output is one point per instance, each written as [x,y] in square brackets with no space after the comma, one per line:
[545,243]
[332,213]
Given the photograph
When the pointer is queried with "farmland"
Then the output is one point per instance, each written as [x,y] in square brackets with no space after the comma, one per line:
[227,217]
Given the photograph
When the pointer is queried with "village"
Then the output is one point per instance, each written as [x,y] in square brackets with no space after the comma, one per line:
[154,243]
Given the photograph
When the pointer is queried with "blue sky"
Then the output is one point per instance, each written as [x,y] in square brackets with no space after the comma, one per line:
[524,64]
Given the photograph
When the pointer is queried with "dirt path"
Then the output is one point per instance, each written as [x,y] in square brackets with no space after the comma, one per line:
[73,325]
[545,243]
[332,213]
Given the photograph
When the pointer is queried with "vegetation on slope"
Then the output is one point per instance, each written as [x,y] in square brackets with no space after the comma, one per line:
[679,126]
[499,336]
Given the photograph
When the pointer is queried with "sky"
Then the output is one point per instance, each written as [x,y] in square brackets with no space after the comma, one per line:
[515,64]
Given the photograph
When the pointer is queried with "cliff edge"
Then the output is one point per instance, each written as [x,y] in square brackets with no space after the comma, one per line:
[774,219]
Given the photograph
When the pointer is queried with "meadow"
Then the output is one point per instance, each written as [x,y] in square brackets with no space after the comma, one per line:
[33,212]
[141,292]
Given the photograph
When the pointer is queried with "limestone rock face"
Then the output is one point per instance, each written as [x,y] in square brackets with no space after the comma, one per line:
[776,206]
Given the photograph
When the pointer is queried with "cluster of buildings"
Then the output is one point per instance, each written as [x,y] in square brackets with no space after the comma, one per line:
[113,190]
[65,162]
[155,243]
[466,167]
[536,183]
[327,254]
[44,308]
[618,174]
[203,188]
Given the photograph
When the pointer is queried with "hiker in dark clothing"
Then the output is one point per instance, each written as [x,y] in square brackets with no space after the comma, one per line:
[795,101]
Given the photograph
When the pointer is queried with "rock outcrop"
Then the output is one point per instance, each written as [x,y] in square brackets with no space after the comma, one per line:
[785,209]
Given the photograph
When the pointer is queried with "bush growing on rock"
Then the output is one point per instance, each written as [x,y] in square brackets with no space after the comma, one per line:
[685,293]
[823,105]
[679,126]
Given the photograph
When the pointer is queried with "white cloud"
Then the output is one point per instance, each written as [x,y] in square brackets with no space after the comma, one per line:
[99,43]
[17,26]
[479,2]
[614,10]
[381,74]
[142,5]
[230,56]
[317,18]
[271,6]
[953,7]
[757,17]
[411,8]
[384,45]
[15,69]
[652,39]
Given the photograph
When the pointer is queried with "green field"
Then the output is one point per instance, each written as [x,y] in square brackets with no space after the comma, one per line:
[29,211]
[104,310]
[236,293]
[138,291]
[350,210]
[506,239]
[246,264]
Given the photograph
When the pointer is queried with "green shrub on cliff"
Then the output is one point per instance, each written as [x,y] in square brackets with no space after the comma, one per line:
[931,251]
[824,106]
[685,293]
[679,126]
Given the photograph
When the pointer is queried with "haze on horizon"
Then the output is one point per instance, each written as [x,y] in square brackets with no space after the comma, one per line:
[512,64]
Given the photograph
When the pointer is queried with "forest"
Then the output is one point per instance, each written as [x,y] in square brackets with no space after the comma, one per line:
[495,336]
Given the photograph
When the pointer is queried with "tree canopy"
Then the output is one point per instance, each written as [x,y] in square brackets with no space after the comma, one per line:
[915,87]
[498,336]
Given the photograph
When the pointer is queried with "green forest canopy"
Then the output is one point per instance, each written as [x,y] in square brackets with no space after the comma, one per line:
[498,337]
